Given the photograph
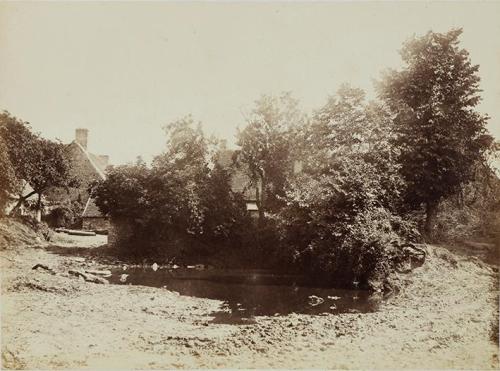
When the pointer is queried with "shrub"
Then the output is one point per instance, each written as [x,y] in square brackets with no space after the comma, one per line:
[341,228]
[472,214]
[67,215]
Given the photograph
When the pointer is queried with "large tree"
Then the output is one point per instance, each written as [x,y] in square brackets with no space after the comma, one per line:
[341,212]
[266,145]
[8,180]
[40,162]
[440,134]
[180,172]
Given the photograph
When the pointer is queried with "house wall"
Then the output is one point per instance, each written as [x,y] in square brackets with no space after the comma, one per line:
[95,224]
[120,229]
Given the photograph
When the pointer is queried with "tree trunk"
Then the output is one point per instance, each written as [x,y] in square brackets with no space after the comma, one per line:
[39,208]
[259,204]
[430,219]
[20,202]
[261,200]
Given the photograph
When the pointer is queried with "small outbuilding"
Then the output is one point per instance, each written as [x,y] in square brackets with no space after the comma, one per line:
[93,219]
[87,168]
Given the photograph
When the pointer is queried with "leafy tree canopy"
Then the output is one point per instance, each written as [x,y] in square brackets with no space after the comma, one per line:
[266,144]
[440,134]
[182,197]
[341,213]
[8,181]
[40,162]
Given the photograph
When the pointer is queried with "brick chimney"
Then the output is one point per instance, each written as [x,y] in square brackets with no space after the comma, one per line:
[81,136]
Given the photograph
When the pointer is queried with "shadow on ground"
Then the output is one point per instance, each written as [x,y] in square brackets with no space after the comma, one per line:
[102,254]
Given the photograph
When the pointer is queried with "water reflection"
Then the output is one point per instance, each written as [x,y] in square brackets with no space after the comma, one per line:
[249,293]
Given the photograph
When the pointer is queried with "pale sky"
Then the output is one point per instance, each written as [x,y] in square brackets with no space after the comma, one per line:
[123,70]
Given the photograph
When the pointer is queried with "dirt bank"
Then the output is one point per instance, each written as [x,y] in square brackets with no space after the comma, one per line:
[444,318]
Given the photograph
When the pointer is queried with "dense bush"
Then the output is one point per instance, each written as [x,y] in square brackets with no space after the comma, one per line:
[182,204]
[474,213]
[342,220]
[340,227]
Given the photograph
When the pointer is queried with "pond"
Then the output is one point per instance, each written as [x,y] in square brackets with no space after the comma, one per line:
[249,293]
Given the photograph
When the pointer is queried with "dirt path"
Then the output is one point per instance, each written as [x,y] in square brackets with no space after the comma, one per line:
[444,318]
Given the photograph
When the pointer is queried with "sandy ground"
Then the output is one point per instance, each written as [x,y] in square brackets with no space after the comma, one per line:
[443,318]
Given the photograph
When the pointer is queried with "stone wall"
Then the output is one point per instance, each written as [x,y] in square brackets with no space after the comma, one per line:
[119,230]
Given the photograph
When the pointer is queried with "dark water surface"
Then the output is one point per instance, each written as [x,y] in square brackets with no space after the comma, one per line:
[249,293]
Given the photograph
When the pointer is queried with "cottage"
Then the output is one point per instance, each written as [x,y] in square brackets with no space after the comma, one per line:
[240,181]
[87,168]
[93,219]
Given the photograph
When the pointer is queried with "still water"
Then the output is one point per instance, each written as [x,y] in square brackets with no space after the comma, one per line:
[249,293]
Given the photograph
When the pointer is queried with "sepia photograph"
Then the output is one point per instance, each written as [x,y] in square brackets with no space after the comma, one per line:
[249,185]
